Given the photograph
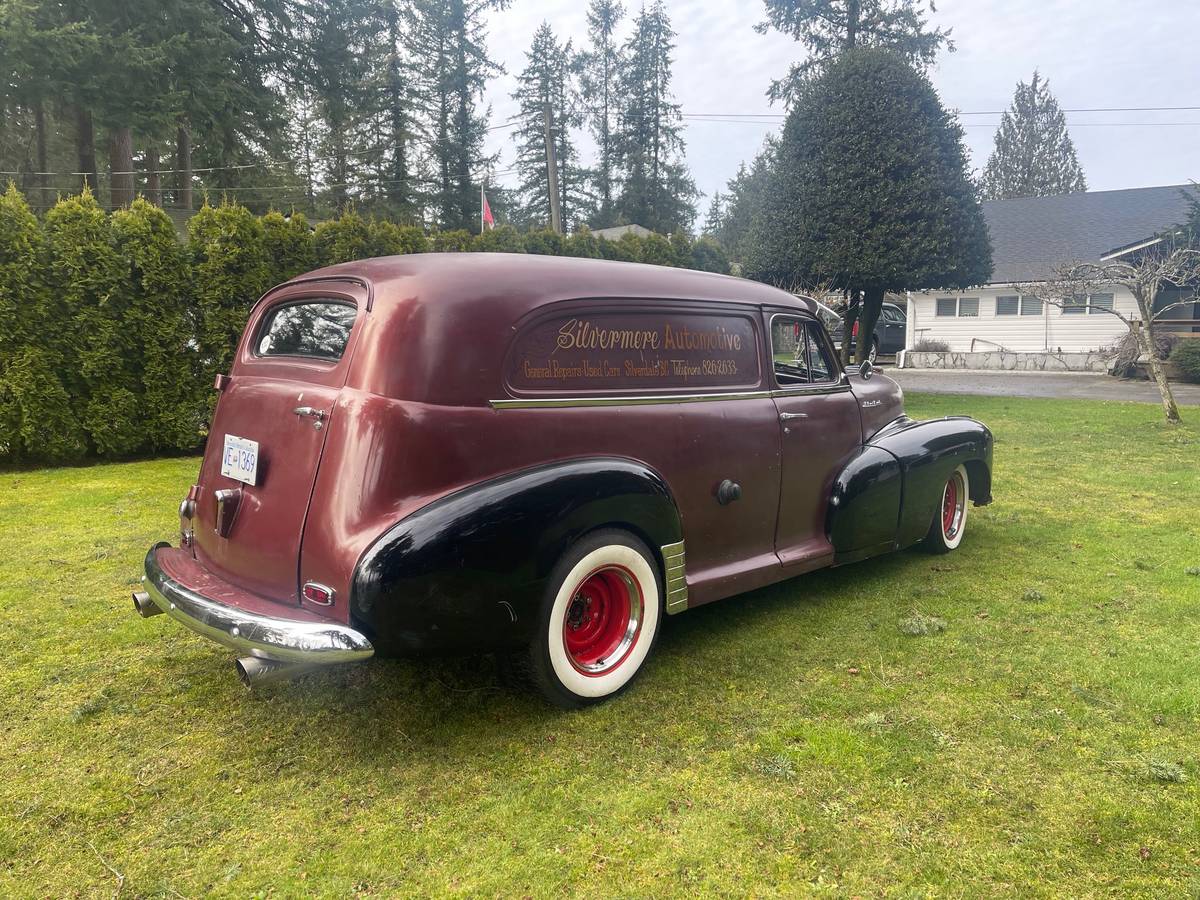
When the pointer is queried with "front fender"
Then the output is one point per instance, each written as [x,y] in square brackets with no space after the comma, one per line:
[886,497]
[468,571]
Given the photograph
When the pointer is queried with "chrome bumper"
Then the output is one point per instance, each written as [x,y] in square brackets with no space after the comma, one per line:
[253,634]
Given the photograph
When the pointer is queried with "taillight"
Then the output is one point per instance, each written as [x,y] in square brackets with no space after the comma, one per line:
[318,594]
[854,331]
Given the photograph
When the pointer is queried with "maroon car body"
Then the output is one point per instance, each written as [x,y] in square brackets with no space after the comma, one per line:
[434,437]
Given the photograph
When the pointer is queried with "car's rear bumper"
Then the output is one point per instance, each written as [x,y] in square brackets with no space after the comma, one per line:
[311,641]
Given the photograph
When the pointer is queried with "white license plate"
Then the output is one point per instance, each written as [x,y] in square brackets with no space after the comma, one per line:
[240,459]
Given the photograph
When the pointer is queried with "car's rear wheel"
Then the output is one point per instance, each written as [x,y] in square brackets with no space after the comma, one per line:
[950,519]
[599,620]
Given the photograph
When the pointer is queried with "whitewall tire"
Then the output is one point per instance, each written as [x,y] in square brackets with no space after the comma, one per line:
[950,518]
[599,621]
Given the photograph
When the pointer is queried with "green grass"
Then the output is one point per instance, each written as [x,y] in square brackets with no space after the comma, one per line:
[806,738]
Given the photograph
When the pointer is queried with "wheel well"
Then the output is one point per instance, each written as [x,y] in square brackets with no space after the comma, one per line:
[655,550]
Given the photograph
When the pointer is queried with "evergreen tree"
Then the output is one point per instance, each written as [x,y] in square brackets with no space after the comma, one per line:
[829,27]
[600,67]
[657,191]
[546,87]
[747,192]
[288,244]
[901,213]
[1034,155]
[447,41]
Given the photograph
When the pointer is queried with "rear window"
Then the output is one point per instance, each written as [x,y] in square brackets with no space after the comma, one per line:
[317,329]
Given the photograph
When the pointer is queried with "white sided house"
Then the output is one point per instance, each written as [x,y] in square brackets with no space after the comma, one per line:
[994,326]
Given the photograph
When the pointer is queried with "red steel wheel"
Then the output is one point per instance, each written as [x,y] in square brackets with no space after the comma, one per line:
[603,620]
[950,521]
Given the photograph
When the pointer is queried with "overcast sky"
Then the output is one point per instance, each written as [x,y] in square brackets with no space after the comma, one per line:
[1096,53]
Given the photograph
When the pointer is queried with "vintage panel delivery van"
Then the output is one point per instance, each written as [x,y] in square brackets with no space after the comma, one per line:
[539,457]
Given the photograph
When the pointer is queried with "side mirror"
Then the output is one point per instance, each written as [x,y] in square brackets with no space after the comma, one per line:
[866,370]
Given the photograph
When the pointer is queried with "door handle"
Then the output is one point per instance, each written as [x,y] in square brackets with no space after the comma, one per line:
[317,414]
[787,417]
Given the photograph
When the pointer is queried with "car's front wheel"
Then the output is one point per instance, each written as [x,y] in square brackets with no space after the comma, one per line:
[950,520]
[599,620]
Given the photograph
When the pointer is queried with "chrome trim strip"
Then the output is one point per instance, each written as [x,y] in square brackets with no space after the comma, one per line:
[675,563]
[253,634]
[565,402]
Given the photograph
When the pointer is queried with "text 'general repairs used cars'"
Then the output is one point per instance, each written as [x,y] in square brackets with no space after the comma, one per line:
[539,457]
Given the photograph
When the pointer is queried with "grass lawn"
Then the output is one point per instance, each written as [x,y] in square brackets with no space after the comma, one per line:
[792,740]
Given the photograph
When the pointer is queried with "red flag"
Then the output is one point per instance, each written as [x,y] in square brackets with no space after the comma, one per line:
[486,219]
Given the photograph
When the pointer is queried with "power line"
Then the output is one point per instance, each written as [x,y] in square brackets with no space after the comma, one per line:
[996,112]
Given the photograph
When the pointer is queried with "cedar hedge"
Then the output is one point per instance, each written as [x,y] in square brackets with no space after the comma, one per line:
[112,330]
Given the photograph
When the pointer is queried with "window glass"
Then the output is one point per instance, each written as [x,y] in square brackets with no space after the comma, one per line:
[946,306]
[789,351]
[315,328]
[1074,306]
[1101,301]
[1007,306]
[1031,306]
[968,306]
[891,314]
[820,366]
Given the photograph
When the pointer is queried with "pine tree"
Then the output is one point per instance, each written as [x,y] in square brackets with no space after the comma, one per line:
[901,213]
[448,42]
[829,27]
[657,191]
[600,67]
[1034,155]
[746,193]
[546,88]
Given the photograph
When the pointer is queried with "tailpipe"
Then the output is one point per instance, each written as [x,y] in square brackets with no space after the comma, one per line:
[254,671]
[144,605]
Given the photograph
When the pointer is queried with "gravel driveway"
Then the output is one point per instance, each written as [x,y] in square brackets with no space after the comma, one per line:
[1066,385]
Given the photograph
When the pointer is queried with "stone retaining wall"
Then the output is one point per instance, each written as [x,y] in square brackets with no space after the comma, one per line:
[1092,361]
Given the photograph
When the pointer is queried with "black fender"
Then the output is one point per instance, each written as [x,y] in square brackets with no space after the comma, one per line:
[468,571]
[886,496]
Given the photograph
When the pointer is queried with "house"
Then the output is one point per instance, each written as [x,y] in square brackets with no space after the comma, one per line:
[1031,238]
[616,232]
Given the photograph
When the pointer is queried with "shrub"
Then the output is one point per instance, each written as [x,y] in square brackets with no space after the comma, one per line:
[681,249]
[929,345]
[708,256]
[457,241]
[545,242]
[22,283]
[229,271]
[288,243]
[157,300]
[622,250]
[390,239]
[501,239]
[582,244]
[36,418]
[343,239]
[1186,357]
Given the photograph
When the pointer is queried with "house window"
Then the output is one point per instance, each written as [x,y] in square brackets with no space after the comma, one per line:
[1074,306]
[1100,302]
[1031,306]
[946,306]
[968,307]
[1008,306]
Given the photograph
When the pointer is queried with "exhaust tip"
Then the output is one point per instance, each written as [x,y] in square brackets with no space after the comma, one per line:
[144,606]
[254,671]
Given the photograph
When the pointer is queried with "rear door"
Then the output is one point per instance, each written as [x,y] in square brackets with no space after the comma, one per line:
[268,433]
[893,330]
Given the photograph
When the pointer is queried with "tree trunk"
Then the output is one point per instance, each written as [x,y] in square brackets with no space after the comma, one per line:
[41,179]
[872,306]
[85,147]
[849,317]
[153,185]
[852,17]
[120,161]
[1154,364]
[183,162]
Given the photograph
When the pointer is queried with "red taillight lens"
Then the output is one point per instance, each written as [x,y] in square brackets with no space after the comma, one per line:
[318,593]
[854,330]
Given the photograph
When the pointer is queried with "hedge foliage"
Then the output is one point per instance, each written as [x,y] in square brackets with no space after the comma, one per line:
[1186,357]
[112,329]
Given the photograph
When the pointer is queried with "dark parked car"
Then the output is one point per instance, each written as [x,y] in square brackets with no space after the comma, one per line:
[889,335]
[540,457]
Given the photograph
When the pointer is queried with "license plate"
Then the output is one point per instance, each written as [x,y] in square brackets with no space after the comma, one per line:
[240,459]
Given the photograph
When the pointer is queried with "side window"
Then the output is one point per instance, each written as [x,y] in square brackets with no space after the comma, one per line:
[799,353]
[891,314]
[317,329]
